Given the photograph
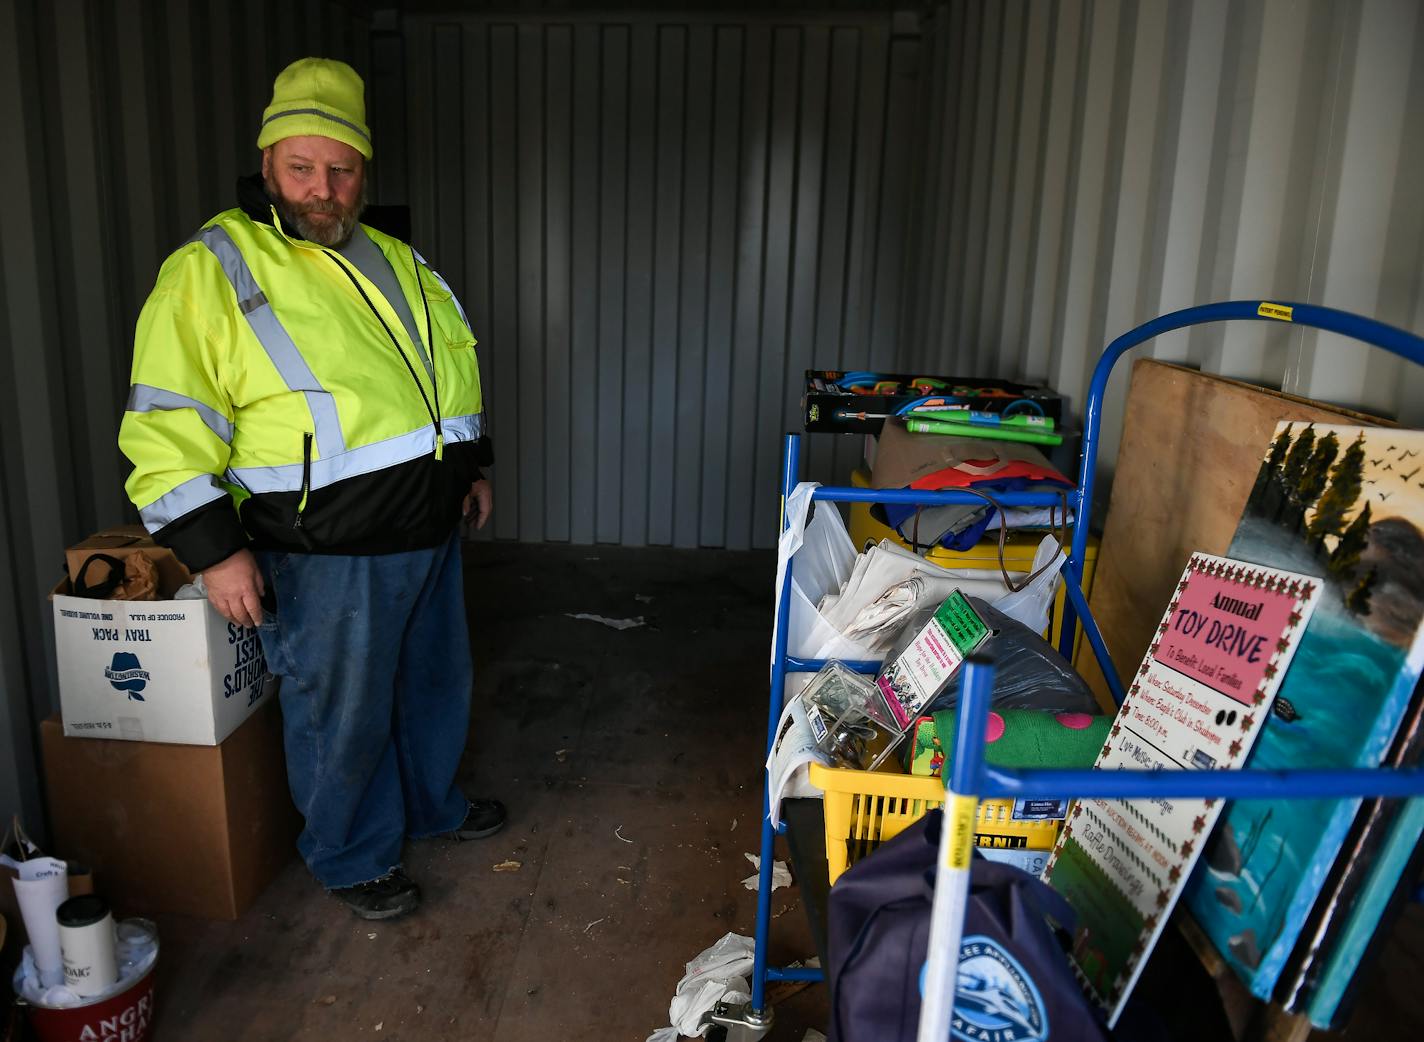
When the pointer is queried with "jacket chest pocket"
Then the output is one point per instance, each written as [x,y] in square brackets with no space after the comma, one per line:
[460,373]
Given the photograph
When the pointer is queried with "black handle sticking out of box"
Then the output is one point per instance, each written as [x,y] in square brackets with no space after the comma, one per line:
[102,589]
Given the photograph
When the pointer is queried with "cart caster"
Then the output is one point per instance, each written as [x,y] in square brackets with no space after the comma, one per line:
[737,1022]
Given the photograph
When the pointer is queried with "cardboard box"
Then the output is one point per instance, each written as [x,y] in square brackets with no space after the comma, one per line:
[120,542]
[197,830]
[155,671]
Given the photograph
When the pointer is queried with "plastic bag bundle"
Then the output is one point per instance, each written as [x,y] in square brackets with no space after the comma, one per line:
[851,607]
[1028,672]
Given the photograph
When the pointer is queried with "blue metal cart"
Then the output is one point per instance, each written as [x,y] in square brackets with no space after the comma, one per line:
[971,776]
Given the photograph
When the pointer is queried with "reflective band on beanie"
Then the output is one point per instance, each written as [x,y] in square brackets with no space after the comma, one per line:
[317,112]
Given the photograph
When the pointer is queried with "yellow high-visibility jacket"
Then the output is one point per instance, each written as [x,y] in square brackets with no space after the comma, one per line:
[279,403]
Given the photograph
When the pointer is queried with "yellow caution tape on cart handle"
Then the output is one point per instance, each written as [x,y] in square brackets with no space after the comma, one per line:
[1282,312]
[960,822]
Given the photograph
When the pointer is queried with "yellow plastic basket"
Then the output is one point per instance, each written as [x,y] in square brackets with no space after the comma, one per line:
[865,808]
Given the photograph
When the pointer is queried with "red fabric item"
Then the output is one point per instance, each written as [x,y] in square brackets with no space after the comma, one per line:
[974,472]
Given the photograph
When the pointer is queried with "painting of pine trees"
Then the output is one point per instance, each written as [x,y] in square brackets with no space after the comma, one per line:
[1308,487]
[1345,504]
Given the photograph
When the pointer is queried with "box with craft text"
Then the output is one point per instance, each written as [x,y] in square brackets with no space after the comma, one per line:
[153,670]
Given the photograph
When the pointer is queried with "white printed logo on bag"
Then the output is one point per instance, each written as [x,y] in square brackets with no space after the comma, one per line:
[994,999]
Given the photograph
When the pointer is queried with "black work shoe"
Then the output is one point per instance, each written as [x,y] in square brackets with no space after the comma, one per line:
[484,818]
[394,894]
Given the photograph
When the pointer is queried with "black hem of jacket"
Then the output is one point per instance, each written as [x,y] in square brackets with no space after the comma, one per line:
[410,506]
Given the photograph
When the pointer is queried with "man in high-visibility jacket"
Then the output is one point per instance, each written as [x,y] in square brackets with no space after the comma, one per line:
[306,429]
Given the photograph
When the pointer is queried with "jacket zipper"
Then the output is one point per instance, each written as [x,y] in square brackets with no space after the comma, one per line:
[306,488]
[433,413]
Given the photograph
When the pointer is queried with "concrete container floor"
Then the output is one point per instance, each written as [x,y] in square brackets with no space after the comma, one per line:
[630,763]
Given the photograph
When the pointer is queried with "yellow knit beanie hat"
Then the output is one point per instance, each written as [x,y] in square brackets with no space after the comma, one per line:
[319,96]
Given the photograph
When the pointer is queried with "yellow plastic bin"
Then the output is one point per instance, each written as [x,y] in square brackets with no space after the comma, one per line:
[865,808]
[865,531]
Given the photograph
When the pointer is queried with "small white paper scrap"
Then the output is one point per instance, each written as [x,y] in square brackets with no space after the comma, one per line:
[613,624]
[780,874]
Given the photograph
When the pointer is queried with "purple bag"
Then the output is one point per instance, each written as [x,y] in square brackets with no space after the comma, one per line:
[1015,982]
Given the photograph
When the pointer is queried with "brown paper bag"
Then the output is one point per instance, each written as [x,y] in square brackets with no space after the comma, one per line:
[133,577]
[140,579]
[81,879]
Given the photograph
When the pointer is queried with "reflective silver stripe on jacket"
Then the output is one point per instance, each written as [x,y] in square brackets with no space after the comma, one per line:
[143,398]
[363,460]
[275,340]
[463,428]
[443,285]
[187,497]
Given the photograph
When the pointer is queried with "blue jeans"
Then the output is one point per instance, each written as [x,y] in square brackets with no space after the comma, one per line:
[374,657]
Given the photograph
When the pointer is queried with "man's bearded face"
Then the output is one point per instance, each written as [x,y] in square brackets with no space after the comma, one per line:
[318,186]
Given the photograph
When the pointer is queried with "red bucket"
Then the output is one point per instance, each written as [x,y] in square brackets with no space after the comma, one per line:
[125,1017]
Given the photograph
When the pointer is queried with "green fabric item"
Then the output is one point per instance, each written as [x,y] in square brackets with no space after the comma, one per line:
[1018,738]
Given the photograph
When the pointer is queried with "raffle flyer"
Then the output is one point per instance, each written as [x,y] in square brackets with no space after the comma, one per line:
[1197,703]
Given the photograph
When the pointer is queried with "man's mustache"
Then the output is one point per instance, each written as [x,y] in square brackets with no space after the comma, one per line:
[320,206]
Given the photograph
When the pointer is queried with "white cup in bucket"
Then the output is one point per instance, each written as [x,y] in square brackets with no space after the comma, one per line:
[87,945]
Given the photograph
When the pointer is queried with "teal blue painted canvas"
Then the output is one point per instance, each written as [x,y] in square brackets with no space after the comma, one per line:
[1345,504]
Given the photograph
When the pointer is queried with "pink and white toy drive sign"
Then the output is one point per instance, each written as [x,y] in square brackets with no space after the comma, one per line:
[1198,701]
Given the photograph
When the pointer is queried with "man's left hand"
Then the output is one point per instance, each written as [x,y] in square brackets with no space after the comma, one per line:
[479,504]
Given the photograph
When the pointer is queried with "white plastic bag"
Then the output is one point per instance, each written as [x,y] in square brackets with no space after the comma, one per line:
[716,974]
[825,557]
[1031,605]
[823,565]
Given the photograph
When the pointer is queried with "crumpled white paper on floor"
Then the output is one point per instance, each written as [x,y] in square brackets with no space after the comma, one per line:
[717,974]
[780,874]
[613,624]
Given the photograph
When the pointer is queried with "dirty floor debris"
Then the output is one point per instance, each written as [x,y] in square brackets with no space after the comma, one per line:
[613,624]
[625,759]
[591,737]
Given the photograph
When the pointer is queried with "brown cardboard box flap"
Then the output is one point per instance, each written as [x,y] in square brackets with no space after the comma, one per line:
[902,459]
[121,541]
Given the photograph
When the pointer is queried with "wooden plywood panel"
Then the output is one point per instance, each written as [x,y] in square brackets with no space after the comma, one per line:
[1191,444]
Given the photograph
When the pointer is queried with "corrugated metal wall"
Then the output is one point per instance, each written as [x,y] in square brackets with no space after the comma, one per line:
[657,223]
[125,124]
[1093,163]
